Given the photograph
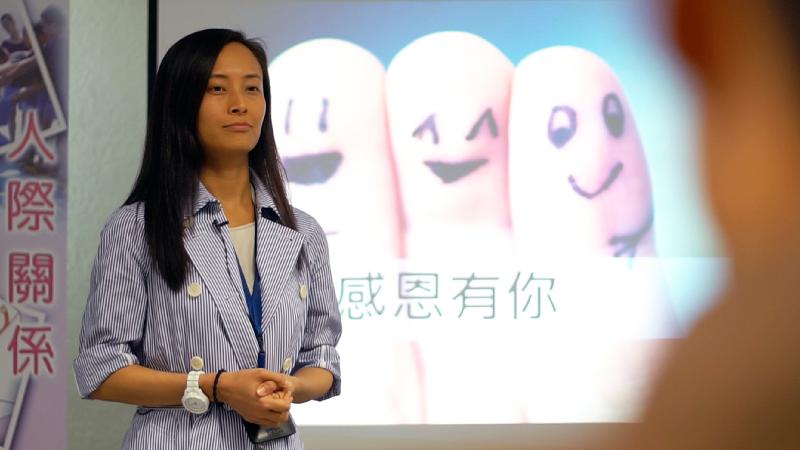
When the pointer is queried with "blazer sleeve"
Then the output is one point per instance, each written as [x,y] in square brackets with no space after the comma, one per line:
[114,318]
[323,323]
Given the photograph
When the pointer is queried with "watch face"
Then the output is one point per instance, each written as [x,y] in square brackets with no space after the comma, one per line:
[195,404]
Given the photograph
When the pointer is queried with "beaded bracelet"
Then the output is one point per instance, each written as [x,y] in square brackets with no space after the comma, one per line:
[214,389]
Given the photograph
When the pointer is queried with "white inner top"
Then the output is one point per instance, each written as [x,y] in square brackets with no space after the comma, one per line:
[243,238]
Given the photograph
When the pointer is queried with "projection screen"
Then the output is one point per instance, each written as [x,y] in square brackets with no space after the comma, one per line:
[511,195]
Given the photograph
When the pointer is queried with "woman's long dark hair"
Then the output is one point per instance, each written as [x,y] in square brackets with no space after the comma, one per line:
[168,177]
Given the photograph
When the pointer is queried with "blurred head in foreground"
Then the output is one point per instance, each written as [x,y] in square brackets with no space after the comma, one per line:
[734,383]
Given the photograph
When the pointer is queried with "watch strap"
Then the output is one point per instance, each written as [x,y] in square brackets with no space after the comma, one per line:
[193,379]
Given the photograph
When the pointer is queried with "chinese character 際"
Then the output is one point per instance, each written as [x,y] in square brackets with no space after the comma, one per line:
[30,205]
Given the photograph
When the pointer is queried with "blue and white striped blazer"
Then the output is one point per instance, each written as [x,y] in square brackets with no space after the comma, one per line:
[132,317]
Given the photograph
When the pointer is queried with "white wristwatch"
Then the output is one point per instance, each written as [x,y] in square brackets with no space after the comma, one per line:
[194,400]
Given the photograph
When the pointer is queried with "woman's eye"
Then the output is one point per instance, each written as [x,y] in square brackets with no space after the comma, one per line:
[254,89]
[215,89]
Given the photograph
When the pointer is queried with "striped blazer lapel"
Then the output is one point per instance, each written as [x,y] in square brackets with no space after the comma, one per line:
[278,250]
[207,253]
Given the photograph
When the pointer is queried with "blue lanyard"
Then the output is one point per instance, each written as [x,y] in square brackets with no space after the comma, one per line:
[254,299]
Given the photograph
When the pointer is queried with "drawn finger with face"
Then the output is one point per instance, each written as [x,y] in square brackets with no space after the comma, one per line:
[579,179]
[580,188]
[329,117]
[581,200]
[447,96]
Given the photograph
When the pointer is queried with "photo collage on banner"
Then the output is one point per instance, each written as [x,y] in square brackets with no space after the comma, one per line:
[33,235]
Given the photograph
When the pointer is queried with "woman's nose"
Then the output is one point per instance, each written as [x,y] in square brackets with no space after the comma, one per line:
[237,105]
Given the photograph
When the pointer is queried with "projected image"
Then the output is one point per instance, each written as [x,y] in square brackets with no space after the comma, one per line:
[509,192]
[575,152]
[329,118]
[447,96]
[453,119]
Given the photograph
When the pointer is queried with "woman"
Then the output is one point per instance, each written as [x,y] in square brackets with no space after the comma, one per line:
[207,269]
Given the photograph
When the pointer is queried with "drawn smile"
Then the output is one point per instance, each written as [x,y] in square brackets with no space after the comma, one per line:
[612,176]
[312,169]
[452,172]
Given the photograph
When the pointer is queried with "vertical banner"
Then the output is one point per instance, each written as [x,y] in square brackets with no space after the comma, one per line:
[33,214]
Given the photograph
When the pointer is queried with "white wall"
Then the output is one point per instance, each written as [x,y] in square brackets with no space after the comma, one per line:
[107,111]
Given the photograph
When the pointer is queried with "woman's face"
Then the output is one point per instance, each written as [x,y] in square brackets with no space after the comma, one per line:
[233,106]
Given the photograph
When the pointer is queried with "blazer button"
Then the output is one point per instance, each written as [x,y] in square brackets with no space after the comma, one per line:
[287,365]
[303,291]
[194,290]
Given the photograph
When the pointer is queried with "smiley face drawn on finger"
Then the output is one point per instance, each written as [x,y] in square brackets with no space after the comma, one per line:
[447,98]
[329,119]
[562,127]
[450,172]
[578,176]
[311,168]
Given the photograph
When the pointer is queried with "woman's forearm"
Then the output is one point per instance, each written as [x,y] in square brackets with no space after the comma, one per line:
[313,382]
[138,385]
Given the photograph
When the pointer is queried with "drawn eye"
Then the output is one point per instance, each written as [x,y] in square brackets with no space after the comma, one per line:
[428,125]
[322,125]
[312,169]
[488,118]
[562,125]
[323,116]
[288,116]
[613,115]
